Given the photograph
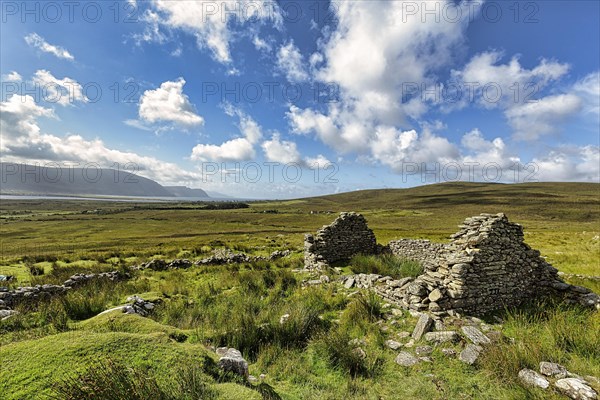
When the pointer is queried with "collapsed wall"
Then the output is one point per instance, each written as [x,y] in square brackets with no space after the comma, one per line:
[347,236]
[487,266]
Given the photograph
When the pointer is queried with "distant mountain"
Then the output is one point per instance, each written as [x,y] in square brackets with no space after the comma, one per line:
[23,179]
[184,191]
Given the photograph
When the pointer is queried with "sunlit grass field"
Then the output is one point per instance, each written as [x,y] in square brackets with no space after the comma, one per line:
[50,348]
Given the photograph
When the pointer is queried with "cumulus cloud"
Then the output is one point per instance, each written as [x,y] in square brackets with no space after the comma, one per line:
[530,121]
[286,152]
[38,42]
[24,141]
[588,89]
[491,84]
[212,22]
[12,76]
[569,163]
[168,103]
[237,149]
[64,91]
[291,62]
[371,55]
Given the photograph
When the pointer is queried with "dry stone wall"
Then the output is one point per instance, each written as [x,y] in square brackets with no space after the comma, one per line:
[487,266]
[347,236]
[423,251]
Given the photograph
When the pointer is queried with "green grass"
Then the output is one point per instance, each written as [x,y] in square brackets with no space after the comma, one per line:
[386,264]
[312,354]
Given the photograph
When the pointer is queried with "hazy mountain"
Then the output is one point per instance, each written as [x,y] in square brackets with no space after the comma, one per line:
[26,179]
[184,191]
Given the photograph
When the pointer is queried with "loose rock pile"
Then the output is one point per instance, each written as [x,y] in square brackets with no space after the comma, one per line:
[348,235]
[10,298]
[569,384]
[219,257]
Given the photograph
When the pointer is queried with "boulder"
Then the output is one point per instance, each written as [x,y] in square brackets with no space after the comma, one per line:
[531,378]
[406,359]
[576,389]
[232,361]
[470,354]
[554,370]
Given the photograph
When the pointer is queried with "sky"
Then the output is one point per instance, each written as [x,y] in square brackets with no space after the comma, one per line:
[285,99]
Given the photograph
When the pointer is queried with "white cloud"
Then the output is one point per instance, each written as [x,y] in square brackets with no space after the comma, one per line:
[12,76]
[168,103]
[23,141]
[291,62]
[481,152]
[569,163]
[35,40]
[371,55]
[261,44]
[588,89]
[284,152]
[493,85]
[530,121]
[60,91]
[318,162]
[212,22]
[237,149]
[392,147]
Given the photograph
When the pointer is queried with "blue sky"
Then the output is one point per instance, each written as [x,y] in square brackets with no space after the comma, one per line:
[290,99]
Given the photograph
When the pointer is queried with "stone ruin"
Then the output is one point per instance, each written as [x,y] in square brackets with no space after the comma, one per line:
[487,266]
[347,236]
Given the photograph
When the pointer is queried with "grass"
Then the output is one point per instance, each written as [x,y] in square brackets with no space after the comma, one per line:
[386,264]
[53,348]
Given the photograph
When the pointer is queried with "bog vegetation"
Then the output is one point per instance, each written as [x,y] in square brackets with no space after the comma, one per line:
[64,349]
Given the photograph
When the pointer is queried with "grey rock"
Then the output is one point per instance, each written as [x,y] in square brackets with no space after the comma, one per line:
[448,352]
[423,326]
[435,295]
[423,350]
[576,389]
[406,359]
[232,361]
[349,283]
[554,370]
[531,378]
[470,354]
[475,335]
[442,337]
[392,344]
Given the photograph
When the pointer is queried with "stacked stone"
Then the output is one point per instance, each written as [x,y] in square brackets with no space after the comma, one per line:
[422,251]
[347,236]
[486,267]
[10,298]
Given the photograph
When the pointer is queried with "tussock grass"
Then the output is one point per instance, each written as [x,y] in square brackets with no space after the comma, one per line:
[111,380]
[568,335]
[385,264]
